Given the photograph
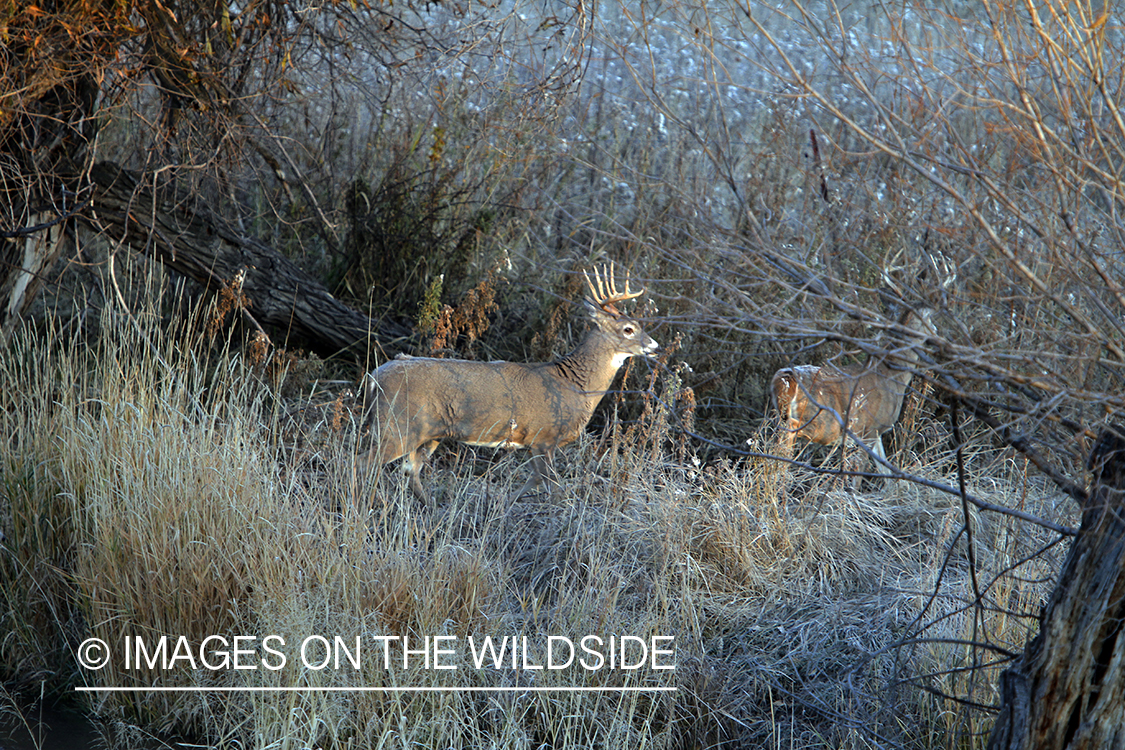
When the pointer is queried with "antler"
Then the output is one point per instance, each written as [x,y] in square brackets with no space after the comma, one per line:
[605,295]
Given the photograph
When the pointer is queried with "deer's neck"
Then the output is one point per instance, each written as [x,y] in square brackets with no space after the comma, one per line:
[899,367]
[591,367]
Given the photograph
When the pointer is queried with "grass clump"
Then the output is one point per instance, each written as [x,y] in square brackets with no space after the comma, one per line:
[156,489]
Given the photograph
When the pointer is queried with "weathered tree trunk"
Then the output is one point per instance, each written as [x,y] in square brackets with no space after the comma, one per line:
[1068,688]
[46,128]
[190,239]
[49,122]
[27,260]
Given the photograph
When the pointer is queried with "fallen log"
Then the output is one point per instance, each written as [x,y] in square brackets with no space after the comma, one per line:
[188,238]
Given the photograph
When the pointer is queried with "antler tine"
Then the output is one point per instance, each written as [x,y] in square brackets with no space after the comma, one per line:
[596,294]
[606,295]
[622,296]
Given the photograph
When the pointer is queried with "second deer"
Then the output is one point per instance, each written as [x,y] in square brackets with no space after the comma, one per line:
[414,402]
[815,403]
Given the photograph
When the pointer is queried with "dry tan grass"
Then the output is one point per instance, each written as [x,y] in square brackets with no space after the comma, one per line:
[150,494]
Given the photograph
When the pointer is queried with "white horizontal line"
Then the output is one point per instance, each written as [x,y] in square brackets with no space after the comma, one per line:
[157,689]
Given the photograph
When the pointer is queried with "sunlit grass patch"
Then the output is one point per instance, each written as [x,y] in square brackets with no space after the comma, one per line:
[156,488]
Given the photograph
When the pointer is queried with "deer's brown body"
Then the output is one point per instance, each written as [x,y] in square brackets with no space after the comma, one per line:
[815,402]
[414,402]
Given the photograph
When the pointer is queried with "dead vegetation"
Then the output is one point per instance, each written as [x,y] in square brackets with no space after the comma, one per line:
[166,501]
[158,483]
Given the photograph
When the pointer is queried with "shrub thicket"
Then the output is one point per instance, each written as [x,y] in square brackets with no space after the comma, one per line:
[782,182]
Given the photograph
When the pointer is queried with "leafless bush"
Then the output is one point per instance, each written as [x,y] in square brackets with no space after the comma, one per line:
[269,116]
[782,179]
[799,172]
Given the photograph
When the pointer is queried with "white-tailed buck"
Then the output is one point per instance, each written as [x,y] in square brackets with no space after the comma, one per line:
[414,402]
[815,403]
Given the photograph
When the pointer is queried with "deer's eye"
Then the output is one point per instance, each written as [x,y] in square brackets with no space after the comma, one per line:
[629,330]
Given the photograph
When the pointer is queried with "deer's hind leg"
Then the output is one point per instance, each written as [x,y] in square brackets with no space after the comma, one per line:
[413,463]
[389,447]
[542,467]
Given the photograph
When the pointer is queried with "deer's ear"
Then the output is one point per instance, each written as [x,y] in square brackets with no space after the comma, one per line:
[599,315]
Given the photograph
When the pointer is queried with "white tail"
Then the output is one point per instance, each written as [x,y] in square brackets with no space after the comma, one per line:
[814,402]
[416,401]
